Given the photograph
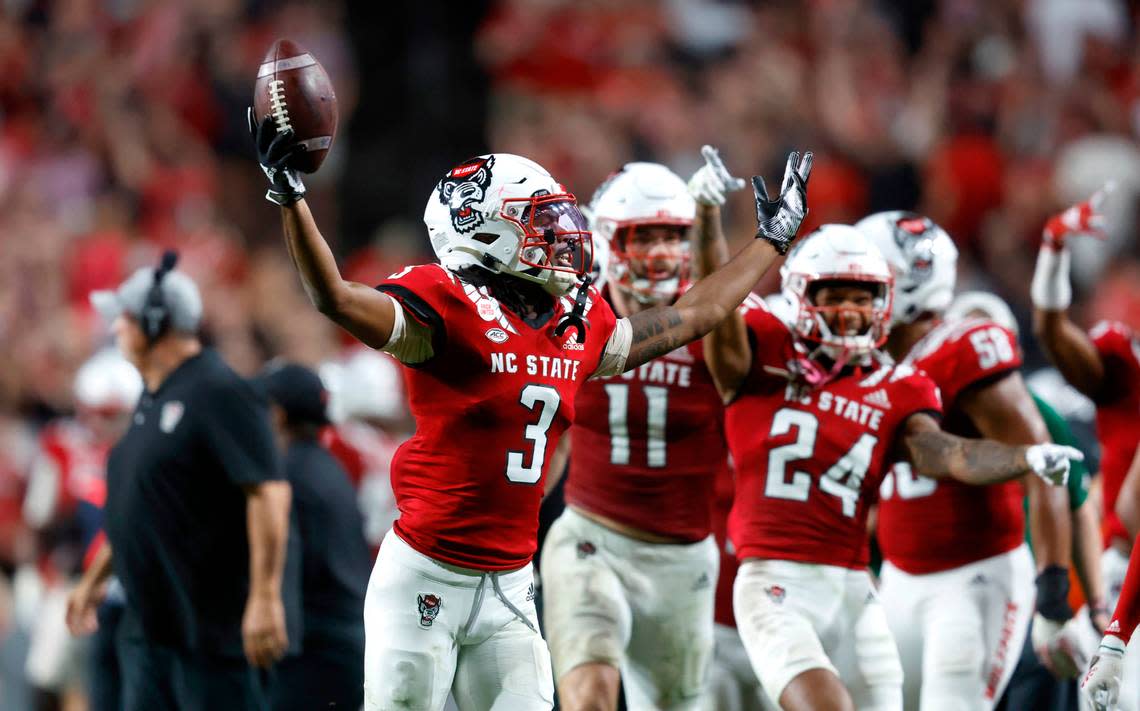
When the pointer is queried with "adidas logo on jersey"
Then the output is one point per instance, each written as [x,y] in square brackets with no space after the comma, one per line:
[878,398]
[1113,628]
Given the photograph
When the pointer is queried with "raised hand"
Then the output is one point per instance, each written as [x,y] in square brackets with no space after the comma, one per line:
[711,183]
[274,150]
[1084,218]
[777,221]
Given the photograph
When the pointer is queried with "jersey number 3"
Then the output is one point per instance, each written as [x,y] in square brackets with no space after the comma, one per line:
[843,480]
[547,399]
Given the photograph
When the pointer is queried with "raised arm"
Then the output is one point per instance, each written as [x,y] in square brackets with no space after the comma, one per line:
[1128,500]
[714,298]
[1068,347]
[728,354]
[361,310]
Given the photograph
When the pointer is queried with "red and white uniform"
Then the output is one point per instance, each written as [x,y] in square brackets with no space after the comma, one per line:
[1117,409]
[450,604]
[646,448]
[960,523]
[804,486]
[809,463]
[648,444]
[490,407]
[958,581]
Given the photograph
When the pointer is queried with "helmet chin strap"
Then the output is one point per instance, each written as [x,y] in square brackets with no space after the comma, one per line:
[814,374]
[576,318]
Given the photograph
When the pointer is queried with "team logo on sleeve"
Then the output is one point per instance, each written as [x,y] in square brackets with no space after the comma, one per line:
[429,608]
[170,416]
[463,187]
[776,593]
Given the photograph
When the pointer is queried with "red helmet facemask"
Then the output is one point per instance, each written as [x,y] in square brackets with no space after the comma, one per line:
[556,235]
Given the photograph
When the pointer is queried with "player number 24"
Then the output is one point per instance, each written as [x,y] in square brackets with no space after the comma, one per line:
[843,480]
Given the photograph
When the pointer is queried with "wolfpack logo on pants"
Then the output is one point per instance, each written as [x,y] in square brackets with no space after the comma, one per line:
[429,608]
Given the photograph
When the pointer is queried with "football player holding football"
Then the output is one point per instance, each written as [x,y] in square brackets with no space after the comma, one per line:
[815,414]
[497,339]
[960,597]
[629,569]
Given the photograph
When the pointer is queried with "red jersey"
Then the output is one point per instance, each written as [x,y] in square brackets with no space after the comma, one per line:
[646,446]
[70,468]
[490,406]
[722,504]
[809,461]
[1117,409]
[960,523]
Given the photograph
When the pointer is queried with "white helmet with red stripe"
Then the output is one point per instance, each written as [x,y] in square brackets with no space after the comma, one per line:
[644,195]
[836,254]
[107,382]
[923,259]
[506,214]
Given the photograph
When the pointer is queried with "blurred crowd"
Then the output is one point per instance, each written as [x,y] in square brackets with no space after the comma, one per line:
[122,132]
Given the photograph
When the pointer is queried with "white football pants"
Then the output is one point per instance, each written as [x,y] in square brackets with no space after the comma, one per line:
[794,617]
[645,608]
[432,628]
[960,632]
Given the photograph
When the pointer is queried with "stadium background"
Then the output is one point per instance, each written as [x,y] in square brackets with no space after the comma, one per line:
[122,131]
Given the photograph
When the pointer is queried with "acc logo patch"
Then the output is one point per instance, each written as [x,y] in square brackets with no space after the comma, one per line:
[776,593]
[496,335]
[429,604]
[170,416]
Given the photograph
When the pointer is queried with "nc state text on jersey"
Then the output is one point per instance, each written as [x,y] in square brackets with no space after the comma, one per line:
[858,412]
[539,365]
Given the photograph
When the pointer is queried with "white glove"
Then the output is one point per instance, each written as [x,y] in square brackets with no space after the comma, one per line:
[1051,461]
[1101,684]
[1058,645]
[710,184]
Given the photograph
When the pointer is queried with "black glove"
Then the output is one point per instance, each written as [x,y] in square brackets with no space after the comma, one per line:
[778,220]
[1053,593]
[274,150]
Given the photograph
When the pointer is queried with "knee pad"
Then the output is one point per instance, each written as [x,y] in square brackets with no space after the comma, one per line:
[399,681]
[961,656]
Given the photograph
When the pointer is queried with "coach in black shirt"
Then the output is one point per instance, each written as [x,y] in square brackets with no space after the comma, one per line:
[197,514]
[335,560]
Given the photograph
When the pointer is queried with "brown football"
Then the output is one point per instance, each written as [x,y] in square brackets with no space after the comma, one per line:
[294,89]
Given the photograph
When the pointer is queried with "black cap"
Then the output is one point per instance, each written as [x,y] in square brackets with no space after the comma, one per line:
[297,390]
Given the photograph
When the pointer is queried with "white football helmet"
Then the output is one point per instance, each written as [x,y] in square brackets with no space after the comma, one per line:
[107,382]
[506,214]
[642,194]
[365,385]
[923,258]
[836,253]
[990,306]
